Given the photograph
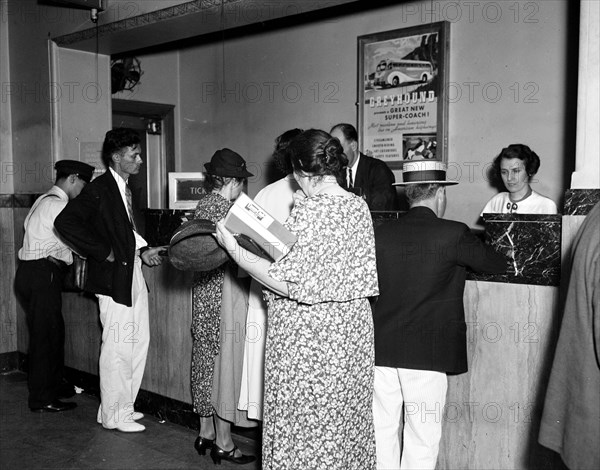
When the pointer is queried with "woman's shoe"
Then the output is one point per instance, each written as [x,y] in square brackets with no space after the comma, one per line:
[202,444]
[218,454]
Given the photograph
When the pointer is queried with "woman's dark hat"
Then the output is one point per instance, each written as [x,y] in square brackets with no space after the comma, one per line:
[228,164]
[424,172]
[193,248]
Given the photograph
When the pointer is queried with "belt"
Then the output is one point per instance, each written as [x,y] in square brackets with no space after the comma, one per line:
[61,264]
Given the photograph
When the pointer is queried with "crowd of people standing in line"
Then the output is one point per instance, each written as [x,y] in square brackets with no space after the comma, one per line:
[344,349]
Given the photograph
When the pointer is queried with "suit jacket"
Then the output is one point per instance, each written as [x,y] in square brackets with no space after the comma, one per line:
[376,179]
[419,316]
[95,222]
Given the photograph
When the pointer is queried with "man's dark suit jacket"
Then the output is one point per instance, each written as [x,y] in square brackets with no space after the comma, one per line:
[376,179]
[419,316]
[95,222]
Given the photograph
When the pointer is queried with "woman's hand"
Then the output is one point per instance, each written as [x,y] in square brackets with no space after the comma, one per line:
[225,238]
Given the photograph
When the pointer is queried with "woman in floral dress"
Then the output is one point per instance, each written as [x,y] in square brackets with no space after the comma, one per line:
[319,353]
[219,301]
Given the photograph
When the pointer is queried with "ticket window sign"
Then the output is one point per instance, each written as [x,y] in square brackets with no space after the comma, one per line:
[185,189]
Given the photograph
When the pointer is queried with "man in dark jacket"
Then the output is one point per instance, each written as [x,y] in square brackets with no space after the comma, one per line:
[420,330]
[99,224]
[366,176]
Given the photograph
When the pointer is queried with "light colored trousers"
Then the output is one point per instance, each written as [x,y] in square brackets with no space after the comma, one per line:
[125,341]
[423,394]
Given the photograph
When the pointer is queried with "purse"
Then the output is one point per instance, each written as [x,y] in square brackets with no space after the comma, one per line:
[76,275]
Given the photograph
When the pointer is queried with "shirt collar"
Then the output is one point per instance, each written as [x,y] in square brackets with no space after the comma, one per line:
[355,166]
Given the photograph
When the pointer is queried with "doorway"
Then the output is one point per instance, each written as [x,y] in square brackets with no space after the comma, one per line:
[155,125]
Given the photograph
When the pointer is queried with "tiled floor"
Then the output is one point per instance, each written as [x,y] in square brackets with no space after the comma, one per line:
[73,439]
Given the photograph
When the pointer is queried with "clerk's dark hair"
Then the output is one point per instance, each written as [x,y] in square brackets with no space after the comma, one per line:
[116,141]
[530,159]
[317,153]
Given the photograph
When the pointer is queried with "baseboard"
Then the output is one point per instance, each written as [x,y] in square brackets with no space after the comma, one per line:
[9,361]
[150,403]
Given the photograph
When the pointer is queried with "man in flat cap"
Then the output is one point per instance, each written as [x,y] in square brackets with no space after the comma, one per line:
[44,258]
[100,225]
[419,318]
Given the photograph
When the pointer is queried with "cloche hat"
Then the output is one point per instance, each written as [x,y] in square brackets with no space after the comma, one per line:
[227,163]
[193,248]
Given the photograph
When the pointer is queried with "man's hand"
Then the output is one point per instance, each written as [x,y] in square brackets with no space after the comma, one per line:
[151,256]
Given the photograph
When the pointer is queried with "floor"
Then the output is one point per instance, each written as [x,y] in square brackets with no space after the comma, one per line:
[73,439]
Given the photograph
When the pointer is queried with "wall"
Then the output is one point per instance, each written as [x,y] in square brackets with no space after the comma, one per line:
[507,75]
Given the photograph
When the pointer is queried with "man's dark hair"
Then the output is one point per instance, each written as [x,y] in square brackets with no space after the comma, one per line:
[420,192]
[348,130]
[116,140]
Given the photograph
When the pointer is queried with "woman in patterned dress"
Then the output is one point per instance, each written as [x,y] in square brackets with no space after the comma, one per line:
[319,355]
[219,301]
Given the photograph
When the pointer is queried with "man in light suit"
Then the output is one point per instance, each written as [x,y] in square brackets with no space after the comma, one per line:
[99,224]
[419,320]
[367,176]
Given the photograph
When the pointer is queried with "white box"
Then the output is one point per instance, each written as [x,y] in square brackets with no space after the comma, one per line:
[249,219]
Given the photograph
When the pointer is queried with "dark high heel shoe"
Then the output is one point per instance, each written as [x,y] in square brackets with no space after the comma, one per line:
[202,444]
[218,454]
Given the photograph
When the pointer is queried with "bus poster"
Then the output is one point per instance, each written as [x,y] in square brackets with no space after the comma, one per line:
[403,110]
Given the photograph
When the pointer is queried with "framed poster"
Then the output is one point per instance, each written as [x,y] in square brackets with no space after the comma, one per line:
[403,111]
[185,189]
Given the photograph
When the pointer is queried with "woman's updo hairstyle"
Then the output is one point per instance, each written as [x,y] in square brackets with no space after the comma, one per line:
[530,159]
[317,153]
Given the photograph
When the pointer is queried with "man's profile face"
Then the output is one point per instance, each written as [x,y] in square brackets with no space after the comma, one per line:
[129,160]
[347,145]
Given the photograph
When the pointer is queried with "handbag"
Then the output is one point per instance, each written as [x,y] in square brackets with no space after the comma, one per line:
[76,275]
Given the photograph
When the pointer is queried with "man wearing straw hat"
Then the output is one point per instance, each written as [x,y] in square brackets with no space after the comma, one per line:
[420,330]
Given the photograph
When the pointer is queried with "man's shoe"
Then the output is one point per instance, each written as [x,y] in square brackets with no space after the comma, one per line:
[127,427]
[55,406]
[136,415]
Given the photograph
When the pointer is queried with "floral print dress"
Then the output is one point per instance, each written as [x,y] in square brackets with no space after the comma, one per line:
[206,314]
[319,355]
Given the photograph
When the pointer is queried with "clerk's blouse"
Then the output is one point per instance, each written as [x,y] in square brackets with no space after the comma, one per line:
[516,165]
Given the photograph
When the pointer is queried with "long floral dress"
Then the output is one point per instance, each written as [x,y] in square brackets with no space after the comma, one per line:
[320,356]
[206,314]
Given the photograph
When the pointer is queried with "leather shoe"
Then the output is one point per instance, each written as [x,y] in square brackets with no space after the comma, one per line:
[127,427]
[55,406]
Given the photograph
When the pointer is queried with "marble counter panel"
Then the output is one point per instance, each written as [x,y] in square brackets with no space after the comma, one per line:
[580,201]
[160,224]
[533,242]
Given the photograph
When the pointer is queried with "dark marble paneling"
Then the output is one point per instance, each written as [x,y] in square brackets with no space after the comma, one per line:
[18,200]
[533,242]
[9,361]
[580,201]
[380,217]
[160,224]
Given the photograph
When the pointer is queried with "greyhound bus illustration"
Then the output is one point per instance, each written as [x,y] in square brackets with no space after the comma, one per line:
[390,72]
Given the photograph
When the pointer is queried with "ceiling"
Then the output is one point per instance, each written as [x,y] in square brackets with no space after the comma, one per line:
[198,19]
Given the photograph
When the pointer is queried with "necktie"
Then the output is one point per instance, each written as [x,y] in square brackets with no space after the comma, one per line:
[129,205]
[350,180]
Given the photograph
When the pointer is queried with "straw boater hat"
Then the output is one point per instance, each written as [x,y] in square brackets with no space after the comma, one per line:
[424,172]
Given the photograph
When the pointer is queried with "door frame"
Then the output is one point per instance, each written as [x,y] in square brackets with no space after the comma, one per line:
[165,113]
